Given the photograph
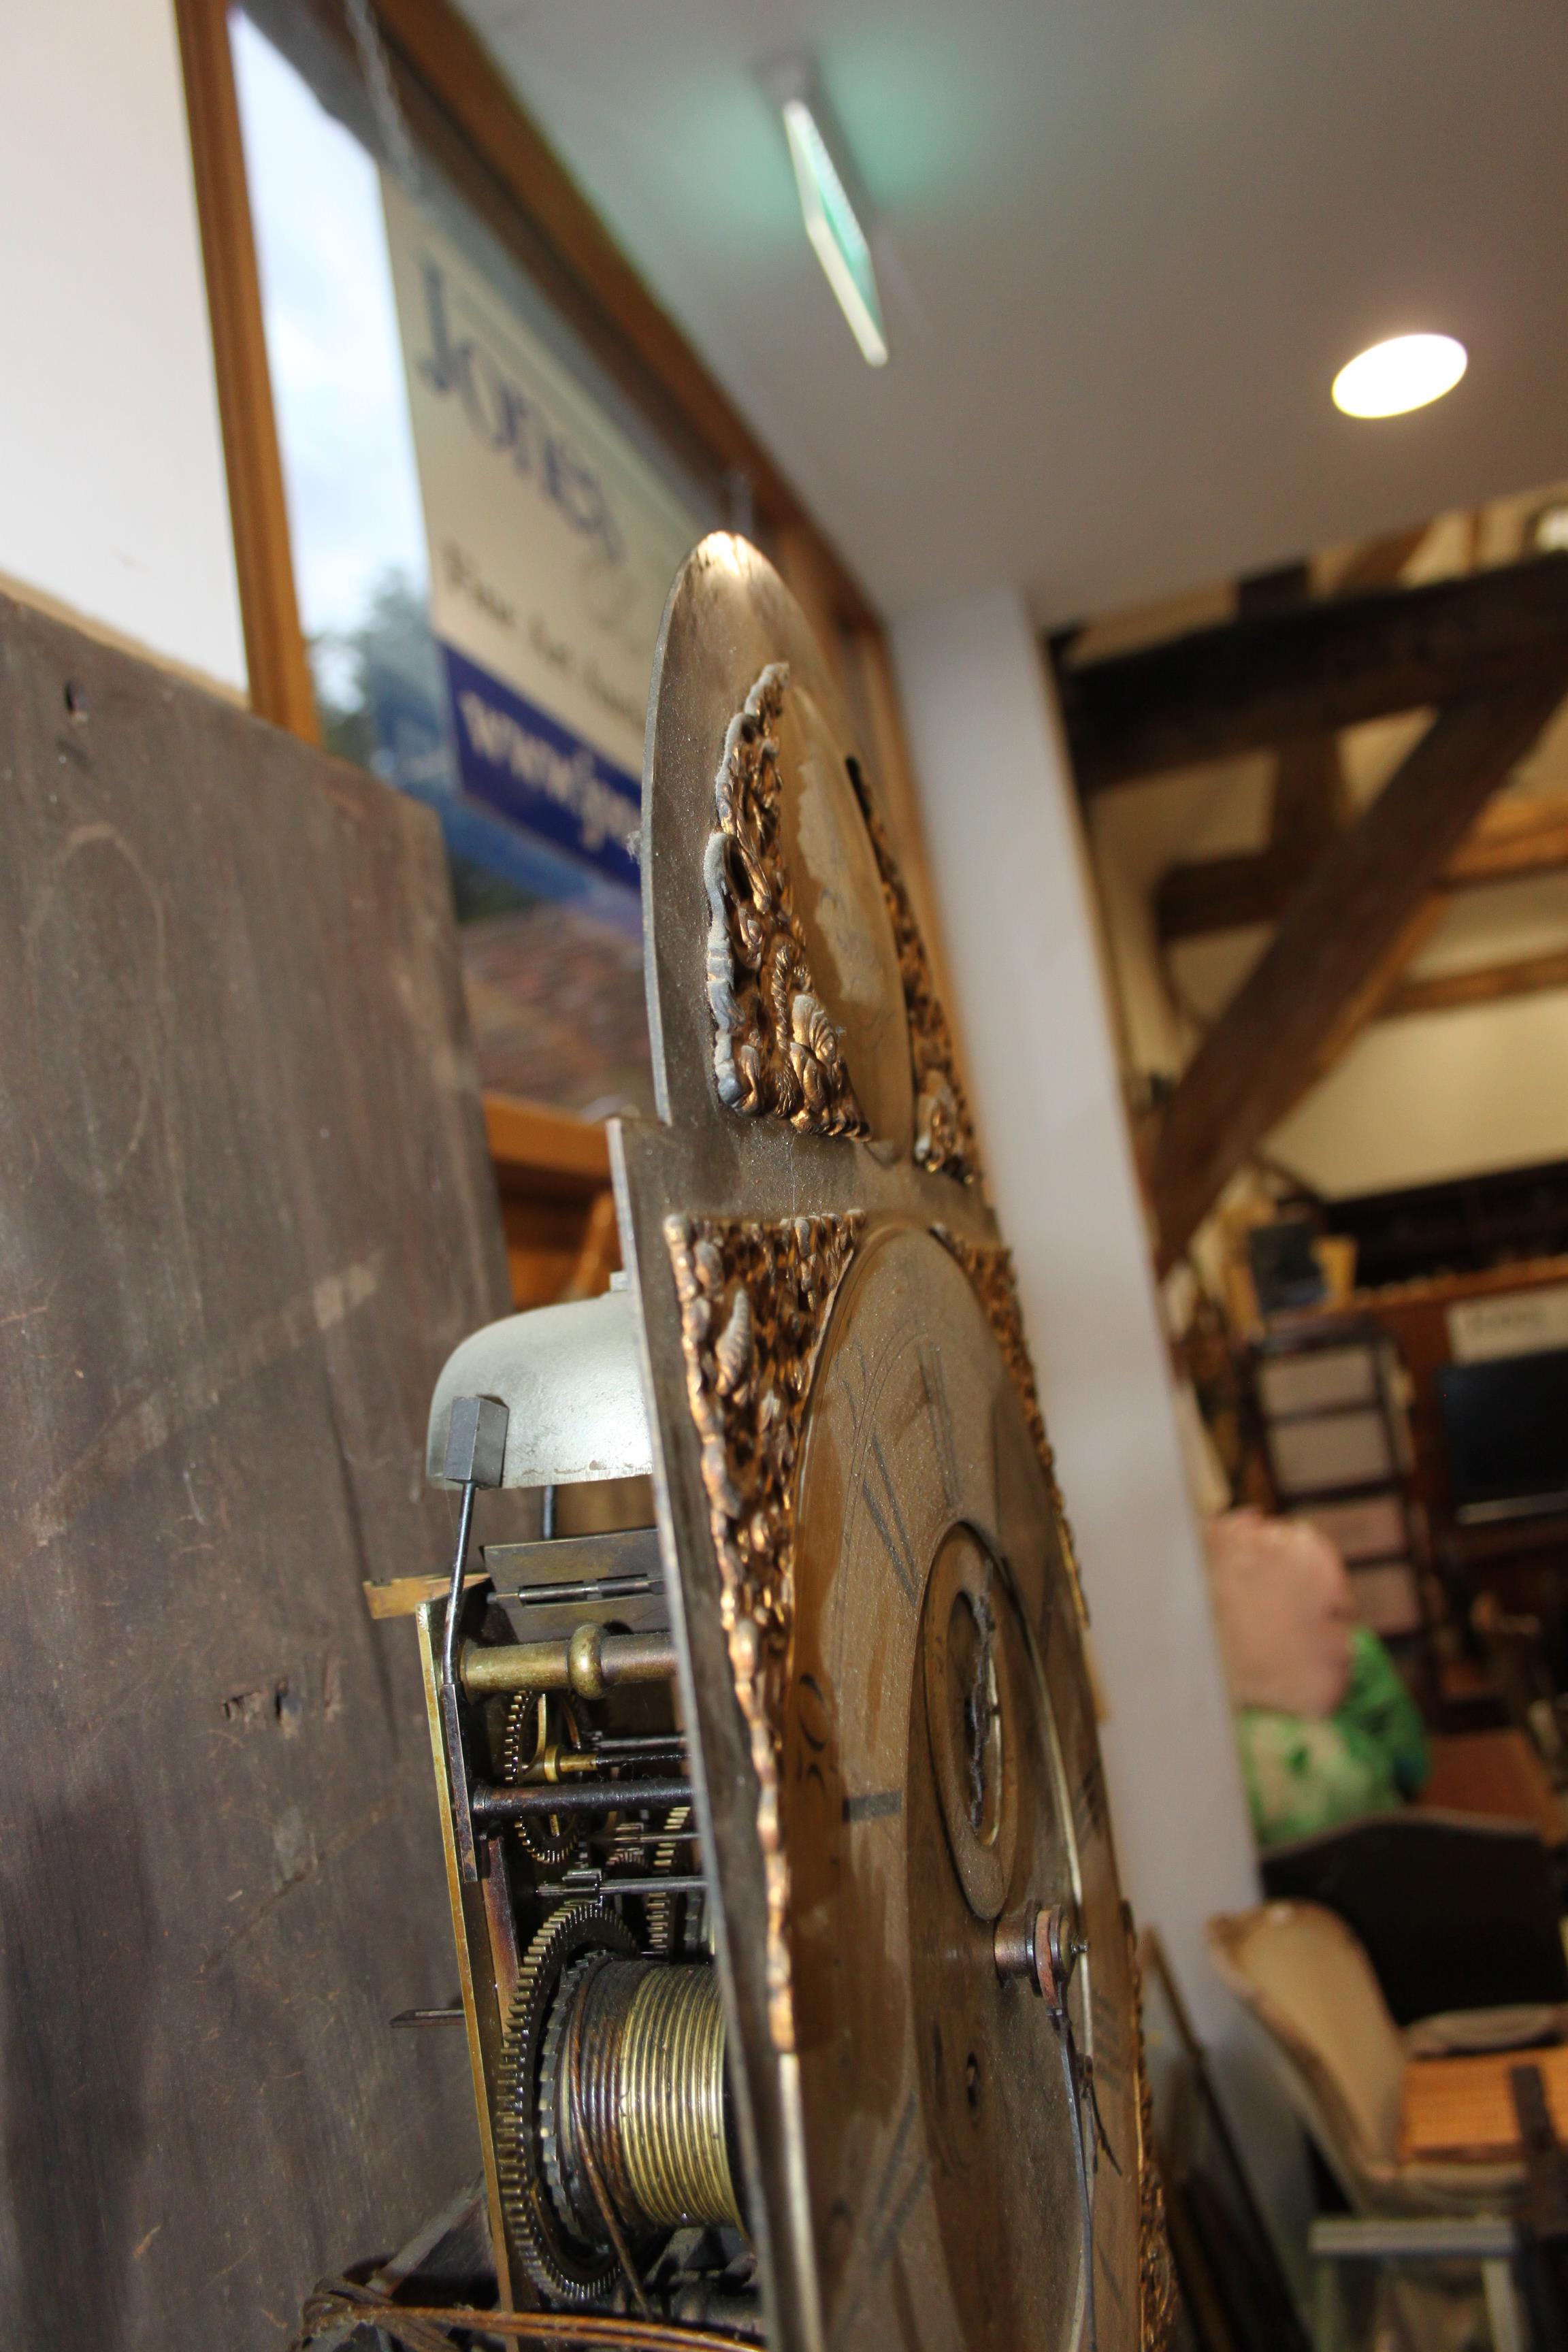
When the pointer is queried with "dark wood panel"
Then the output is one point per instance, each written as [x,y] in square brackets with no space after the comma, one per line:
[247,1212]
[1483,984]
[1313,668]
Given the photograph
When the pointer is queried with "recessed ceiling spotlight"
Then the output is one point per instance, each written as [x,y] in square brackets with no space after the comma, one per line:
[823,178]
[1405,373]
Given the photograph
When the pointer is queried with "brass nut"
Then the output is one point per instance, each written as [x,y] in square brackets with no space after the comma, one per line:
[1058,1944]
[1041,1943]
[1013,1944]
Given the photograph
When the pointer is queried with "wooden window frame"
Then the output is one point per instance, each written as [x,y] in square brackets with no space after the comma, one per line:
[276,663]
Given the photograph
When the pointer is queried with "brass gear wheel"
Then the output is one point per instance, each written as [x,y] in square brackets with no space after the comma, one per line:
[550,1838]
[560,2265]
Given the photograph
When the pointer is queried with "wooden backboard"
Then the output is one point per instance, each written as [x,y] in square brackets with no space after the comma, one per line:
[246,1211]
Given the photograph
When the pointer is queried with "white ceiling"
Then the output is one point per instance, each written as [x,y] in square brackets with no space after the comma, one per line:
[1123,247]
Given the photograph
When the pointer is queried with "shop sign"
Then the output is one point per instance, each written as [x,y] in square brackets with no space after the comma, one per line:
[552,542]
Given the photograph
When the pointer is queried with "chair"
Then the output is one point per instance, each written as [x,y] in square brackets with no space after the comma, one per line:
[1301,1972]
[1297,1969]
[1453,1912]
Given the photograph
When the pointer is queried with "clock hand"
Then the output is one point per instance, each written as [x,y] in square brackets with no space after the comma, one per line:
[1063,2024]
[1045,1946]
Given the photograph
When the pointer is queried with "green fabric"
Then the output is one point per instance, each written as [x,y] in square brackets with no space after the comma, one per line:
[1369,1755]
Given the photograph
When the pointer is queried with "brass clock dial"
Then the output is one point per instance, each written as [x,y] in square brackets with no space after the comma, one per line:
[941,1777]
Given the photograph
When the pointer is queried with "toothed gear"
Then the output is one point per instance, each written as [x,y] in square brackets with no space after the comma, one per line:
[549,2103]
[551,1838]
[658,1910]
[560,2265]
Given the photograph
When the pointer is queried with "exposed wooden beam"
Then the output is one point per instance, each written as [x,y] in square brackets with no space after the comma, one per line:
[1309,804]
[1313,668]
[1307,807]
[279,673]
[1487,985]
[1511,839]
[1514,837]
[1378,562]
[1356,916]
[1222,893]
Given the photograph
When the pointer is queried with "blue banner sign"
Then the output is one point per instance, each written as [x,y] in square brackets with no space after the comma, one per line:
[519,760]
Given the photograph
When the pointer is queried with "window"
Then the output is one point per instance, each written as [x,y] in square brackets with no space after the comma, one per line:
[516,716]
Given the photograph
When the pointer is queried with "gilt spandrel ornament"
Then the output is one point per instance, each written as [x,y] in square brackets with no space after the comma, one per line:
[945,1133]
[989,1269]
[754,1301]
[1158,2295]
[775,1048]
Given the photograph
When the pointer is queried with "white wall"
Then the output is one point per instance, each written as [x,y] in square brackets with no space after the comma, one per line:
[1436,1094]
[112,498]
[1031,1009]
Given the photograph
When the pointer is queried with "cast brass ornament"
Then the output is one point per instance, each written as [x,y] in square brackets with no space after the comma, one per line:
[1158,2293]
[754,1306]
[774,1047]
[989,1269]
[944,1133]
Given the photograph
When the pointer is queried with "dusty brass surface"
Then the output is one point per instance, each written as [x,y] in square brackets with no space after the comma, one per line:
[1014,1944]
[475,1974]
[939,1774]
[944,1133]
[631,2099]
[672,2099]
[588,1664]
[585,1662]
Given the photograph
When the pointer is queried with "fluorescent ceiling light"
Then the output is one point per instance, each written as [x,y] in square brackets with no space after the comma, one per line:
[837,236]
[1405,373]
